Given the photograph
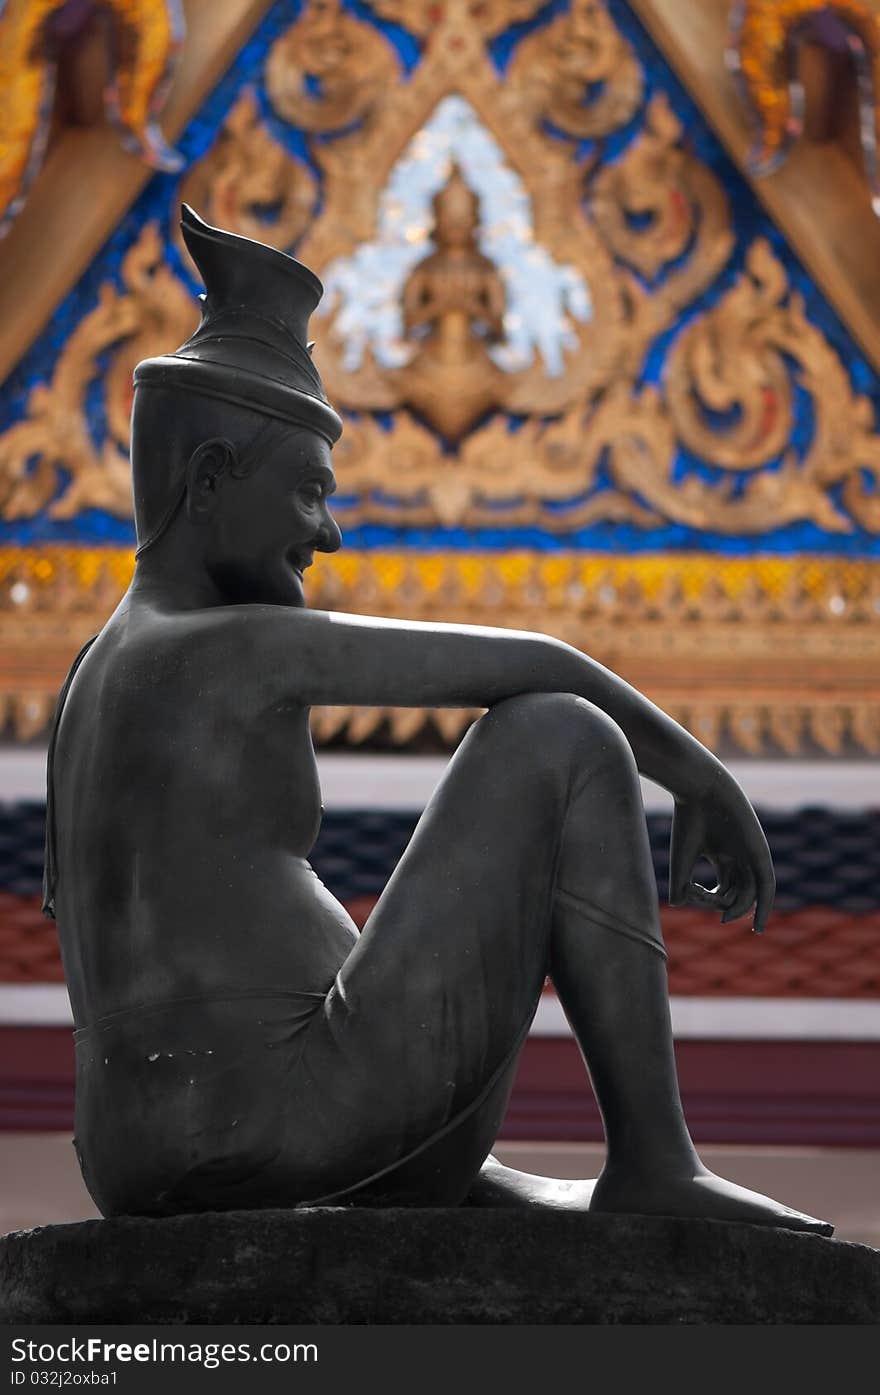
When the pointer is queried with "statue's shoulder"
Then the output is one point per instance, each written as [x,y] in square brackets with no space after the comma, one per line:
[141,647]
[143,630]
[244,655]
[241,652]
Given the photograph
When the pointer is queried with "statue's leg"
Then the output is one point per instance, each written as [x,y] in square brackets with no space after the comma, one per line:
[532,857]
[611,981]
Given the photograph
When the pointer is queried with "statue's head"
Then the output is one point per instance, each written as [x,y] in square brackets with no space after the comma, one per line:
[231,435]
[456,209]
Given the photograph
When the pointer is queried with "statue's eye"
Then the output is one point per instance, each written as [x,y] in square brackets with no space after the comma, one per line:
[311,492]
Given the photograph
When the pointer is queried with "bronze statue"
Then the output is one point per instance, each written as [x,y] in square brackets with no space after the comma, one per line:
[238,1043]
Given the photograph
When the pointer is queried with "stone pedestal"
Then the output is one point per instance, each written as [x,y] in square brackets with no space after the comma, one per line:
[332,1265]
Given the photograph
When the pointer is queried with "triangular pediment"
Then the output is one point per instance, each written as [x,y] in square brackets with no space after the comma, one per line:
[89,180]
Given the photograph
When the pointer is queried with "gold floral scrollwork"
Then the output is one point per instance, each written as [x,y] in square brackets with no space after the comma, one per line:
[53,446]
[501,478]
[335,75]
[726,396]
[353,63]
[523,477]
[245,177]
[649,234]
[453,301]
[860,492]
[556,71]
[677,202]
[730,362]
[164,315]
[734,362]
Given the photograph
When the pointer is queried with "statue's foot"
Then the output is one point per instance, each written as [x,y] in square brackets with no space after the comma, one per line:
[701,1194]
[498,1185]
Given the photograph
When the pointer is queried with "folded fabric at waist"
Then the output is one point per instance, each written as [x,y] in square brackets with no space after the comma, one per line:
[218,1012]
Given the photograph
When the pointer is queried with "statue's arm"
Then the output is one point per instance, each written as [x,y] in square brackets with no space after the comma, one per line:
[334,659]
[317,658]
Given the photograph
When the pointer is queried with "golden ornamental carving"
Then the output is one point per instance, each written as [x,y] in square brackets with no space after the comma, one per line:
[578,72]
[244,174]
[148,35]
[352,60]
[764,35]
[524,440]
[757,653]
[153,314]
[453,301]
[656,202]
[733,360]
[737,359]
[654,236]
[328,43]
[730,361]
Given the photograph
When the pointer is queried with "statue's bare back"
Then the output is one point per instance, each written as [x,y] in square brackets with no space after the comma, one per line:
[160,763]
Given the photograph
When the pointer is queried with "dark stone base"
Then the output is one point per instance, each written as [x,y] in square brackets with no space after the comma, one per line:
[332,1265]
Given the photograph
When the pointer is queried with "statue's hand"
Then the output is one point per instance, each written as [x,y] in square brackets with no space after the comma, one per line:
[721,825]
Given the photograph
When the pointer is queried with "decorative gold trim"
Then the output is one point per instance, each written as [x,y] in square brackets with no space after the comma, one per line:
[655,209]
[551,72]
[244,172]
[154,312]
[738,355]
[756,653]
[818,198]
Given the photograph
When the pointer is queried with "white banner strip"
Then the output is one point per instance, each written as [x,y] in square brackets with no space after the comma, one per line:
[704,1019]
[405,783]
[749,1019]
[34,1005]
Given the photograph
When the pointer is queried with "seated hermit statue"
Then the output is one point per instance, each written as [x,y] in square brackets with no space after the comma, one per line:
[238,1043]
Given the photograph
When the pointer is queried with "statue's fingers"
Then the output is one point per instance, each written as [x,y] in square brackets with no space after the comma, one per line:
[766,894]
[744,897]
[697,895]
[729,877]
[684,849]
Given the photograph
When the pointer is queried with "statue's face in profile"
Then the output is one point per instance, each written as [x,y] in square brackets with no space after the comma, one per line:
[265,526]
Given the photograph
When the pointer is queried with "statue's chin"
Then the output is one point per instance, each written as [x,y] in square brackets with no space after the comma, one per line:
[281,584]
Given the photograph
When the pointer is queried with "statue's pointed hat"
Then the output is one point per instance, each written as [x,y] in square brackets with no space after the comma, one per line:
[251,348]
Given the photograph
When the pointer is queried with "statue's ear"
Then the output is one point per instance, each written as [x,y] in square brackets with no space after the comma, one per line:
[208,465]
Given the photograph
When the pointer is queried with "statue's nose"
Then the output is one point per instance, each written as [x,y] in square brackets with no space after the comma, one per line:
[330,535]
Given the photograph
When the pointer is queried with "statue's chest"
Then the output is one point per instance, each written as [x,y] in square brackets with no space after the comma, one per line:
[282,775]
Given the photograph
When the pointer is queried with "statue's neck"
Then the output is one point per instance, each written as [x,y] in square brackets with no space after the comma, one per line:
[169,576]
